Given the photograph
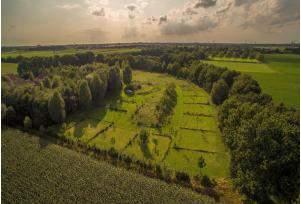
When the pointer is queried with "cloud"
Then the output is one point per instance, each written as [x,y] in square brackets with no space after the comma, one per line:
[162,19]
[190,12]
[100,12]
[205,3]
[270,14]
[186,28]
[69,6]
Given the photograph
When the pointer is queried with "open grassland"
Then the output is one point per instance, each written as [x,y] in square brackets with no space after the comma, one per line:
[191,133]
[34,170]
[236,59]
[49,53]
[278,76]
[9,68]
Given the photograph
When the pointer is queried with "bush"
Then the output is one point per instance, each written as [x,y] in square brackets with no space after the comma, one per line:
[244,84]
[219,92]
[206,182]
[183,177]
[27,123]
[56,108]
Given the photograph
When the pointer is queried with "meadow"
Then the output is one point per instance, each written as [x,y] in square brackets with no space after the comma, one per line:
[9,68]
[278,76]
[48,53]
[35,170]
[191,133]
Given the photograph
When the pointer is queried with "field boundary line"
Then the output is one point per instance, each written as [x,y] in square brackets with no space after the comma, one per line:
[196,129]
[100,132]
[193,150]
[197,114]
[129,143]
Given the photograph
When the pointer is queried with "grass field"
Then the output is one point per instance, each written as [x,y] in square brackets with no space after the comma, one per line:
[67,51]
[191,133]
[36,171]
[236,59]
[7,68]
[279,76]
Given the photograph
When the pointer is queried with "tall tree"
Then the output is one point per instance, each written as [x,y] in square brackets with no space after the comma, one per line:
[56,108]
[127,73]
[98,88]
[85,96]
[219,92]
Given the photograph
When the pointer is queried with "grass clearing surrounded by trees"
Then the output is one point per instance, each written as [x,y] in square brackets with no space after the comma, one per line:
[278,76]
[9,68]
[34,170]
[118,123]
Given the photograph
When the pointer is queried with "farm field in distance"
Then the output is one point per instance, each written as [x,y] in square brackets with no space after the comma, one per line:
[35,170]
[48,53]
[191,133]
[278,76]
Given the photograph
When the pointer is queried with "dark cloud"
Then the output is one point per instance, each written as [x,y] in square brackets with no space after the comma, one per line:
[244,2]
[100,12]
[162,19]
[131,7]
[224,9]
[190,12]
[185,28]
[205,3]
[278,14]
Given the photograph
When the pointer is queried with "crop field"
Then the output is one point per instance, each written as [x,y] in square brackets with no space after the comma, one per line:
[34,170]
[7,68]
[278,76]
[191,133]
[49,53]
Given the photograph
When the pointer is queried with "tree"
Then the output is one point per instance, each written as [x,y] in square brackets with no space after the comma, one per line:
[27,123]
[244,84]
[98,88]
[56,108]
[85,96]
[56,82]
[114,80]
[3,111]
[127,74]
[11,115]
[219,92]
[206,182]
[260,57]
[47,83]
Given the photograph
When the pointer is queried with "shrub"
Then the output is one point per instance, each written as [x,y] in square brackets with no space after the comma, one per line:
[201,162]
[219,92]
[183,177]
[56,108]
[206,182]
[47,83]
[27,122]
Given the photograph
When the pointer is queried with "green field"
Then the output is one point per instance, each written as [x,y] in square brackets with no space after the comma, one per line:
[7,68]
[49,53]
[191,133]
[36,171]
[236,59]
[279,76]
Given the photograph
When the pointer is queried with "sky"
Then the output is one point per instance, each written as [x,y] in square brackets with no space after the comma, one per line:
[43,22]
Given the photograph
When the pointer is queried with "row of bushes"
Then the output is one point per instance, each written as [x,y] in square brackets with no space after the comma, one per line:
[167,103]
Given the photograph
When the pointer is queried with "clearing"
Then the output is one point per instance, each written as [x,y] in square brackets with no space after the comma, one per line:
[279,76]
